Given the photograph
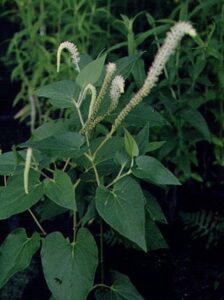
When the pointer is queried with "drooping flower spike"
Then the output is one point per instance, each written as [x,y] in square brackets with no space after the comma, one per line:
[173,37]
[73,50]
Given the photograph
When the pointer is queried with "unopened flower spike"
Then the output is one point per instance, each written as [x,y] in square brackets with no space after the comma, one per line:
[110,70]
[94,106]
[172,39]
[73,50]
[27,169]
[116,89]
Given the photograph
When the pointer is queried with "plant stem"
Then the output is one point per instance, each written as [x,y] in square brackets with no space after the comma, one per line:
[98,285]
[66,164]
[74,213]
[74,225]
[5,180]
[37,222]
[91,158]
[101,252]
[96,173]
[119,178]
[108,136]
[77,183]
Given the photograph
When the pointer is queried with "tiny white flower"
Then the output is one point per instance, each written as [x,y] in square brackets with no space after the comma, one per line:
[117,87]
[73,50]
[111,68]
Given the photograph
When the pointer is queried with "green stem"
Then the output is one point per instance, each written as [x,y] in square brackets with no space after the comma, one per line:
[91,158]
[108,136]
[120,175]
[98,285]
[66,164]
[74,225]
[5,180]
[96,174]
[119,178]
[37,222]
[101,252]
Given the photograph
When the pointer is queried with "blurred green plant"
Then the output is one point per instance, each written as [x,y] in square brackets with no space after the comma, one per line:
[42,25]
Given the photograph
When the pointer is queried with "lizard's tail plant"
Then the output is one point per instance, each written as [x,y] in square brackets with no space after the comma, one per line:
[79,174]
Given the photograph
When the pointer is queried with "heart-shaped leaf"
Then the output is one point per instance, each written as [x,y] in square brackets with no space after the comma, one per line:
[14,200]
[7,163]
[61,145]
[61,93]
[91,72]
[123,209]
[16,253]
[60,190]
[69,268]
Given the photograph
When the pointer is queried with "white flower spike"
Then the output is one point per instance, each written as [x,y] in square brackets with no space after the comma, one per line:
[111,68]
[73,50]
[173,37]
[117,87]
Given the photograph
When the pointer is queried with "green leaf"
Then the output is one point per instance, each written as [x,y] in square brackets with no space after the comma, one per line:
[195,119]
[61,93]
[85,59]
[49,129]
[122,158]
[142,139]
[121,289]
[14,200]
[138,72]
[109,149]
[16,253]
[60,190]
[69,269]
[154,209]
[91,73]
[48,210]
[126,64]
[106,153]
[62,145]
[152,170]
[7,163]
[154,146]
[151,32]
[142,114]
[168,147]
[123,209]
[154,238]
[90,214]
[130,144]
